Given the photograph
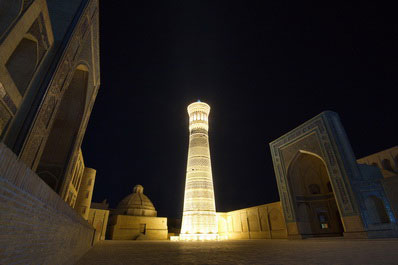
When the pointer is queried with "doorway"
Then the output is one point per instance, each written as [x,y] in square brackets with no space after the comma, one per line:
[311,190]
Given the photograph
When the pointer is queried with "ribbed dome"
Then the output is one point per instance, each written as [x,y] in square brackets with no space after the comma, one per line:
[136,204]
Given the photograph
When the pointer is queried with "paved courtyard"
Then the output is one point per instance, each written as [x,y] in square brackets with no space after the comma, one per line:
[311,251]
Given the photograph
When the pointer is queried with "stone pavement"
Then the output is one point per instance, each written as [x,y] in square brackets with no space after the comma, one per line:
[310,251]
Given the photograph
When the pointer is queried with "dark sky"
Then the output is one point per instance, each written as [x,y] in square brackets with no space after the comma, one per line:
[264,67]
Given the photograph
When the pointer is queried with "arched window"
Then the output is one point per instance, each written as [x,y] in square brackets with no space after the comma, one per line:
[376,210]
[387,164]
[22,63]
[314,189]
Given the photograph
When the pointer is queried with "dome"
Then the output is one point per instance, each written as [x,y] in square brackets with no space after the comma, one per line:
[136,204]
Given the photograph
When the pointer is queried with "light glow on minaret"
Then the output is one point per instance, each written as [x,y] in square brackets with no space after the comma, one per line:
[199,220]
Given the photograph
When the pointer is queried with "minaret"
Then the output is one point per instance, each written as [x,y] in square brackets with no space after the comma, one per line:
[199,220]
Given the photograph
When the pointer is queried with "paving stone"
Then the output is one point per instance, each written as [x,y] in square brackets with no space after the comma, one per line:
[310,251]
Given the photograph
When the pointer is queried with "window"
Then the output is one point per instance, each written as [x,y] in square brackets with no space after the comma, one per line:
[314,189]
[323,220]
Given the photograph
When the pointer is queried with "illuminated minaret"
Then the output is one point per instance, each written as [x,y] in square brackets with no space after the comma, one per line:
[199,220]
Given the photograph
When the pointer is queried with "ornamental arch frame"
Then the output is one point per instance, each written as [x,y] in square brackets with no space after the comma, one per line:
[80,52]
[324,137]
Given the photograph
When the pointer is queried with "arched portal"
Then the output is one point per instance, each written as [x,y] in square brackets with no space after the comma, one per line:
[315,203]
[22,63]
[62,138]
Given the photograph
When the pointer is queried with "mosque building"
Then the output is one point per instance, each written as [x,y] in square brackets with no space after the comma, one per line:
[135,218]
[49,80]
[324,189]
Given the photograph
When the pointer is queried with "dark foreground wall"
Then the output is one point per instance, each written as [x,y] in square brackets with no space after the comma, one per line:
[36,225]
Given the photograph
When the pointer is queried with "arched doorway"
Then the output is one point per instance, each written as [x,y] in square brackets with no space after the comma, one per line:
[315,203]
[62,138]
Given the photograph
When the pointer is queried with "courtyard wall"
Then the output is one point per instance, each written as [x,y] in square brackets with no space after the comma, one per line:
[259,222]
[37,226]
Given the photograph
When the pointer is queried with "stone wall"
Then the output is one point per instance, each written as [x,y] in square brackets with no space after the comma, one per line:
[37,226]
[263,221]
[98,218]
[127,227]
[86,192]
[386,160]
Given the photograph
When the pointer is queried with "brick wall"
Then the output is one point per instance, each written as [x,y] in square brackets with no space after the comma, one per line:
[264,221]
[36,225]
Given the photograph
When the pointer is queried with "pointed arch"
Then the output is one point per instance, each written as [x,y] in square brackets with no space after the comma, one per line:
[311,190]
[62,139]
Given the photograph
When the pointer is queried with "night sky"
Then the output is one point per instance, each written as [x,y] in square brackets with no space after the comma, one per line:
[264,67]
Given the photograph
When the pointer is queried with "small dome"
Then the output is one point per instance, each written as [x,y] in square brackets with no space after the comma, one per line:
[136,204]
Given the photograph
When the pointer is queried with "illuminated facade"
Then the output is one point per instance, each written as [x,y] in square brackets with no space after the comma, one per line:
[325,191]
[199,221]
[49,80]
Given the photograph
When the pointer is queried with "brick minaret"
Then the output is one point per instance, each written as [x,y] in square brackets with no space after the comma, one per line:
[199,221]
